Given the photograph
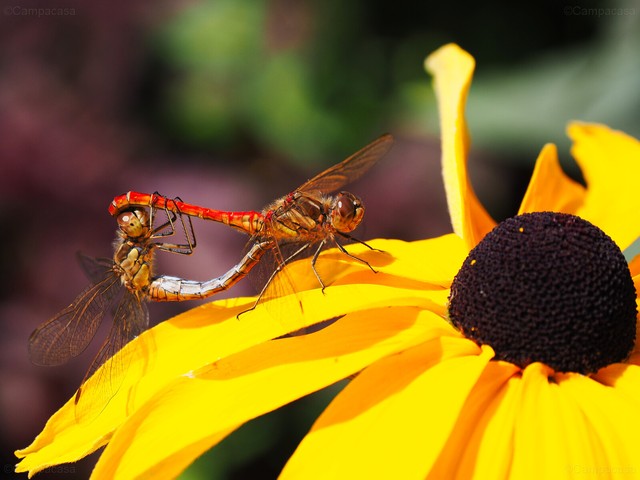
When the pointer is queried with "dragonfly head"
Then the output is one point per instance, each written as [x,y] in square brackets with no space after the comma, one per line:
[134,223]
[347,212]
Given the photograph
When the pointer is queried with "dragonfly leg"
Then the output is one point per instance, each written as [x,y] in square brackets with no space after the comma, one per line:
[191,239]
[354,239]
[159,231]
[184,249]
[361,260]
[313,264]
[264,289]
[279,268]
[173,248]
[181,248]
[250,309]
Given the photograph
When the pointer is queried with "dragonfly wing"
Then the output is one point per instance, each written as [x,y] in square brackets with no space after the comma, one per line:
[68,333]
[275,286]
[95,269]
[350,169]
[131,318]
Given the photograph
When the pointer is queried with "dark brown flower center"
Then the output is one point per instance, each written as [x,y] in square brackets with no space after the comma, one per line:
[547,287]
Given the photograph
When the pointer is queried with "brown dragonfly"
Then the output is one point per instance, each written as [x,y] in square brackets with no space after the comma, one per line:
[310,216]
[119,288]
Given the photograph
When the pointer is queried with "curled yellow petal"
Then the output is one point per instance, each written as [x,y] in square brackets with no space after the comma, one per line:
[541,440]
[205,405]
[623,377]
[452,70]
[211,332]
[634,269]
[485,425]
[609,162]
[168,350]
[394,417]
[612,418]
[549,188]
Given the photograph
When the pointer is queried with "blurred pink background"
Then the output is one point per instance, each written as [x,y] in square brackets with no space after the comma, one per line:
[72,140]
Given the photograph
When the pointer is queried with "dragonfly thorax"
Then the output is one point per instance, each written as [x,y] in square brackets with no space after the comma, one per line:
[133,265]
[300,216]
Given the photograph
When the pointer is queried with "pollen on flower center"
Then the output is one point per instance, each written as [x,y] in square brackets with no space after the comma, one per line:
[547,287]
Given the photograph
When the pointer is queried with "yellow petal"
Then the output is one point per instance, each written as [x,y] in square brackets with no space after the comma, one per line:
[609,162]
[188,342]
[452,69]
[211,332]
[394,418]
[484,427]
[581,442]
[208,404]
[614,424]
[160,354]
[549,188]
[421,264]
[623,377]
[634,269]
[551,436]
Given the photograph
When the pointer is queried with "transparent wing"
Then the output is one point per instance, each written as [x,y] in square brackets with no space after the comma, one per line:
[96,269]
[68,333]
[350,169]
[275,286]
[131,318]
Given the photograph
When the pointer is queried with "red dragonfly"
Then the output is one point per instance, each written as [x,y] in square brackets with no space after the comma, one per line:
[119,287]
[308,216]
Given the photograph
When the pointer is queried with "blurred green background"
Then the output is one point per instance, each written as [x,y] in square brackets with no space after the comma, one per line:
[292,74]
[232,103]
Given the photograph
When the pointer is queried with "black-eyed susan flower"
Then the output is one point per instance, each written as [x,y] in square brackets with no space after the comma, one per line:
[497,351]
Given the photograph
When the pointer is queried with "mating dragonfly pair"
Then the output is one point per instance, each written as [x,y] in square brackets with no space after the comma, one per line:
[306,218]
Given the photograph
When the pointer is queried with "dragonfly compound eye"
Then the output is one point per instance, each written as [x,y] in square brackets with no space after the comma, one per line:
[347,212]
[133,223]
